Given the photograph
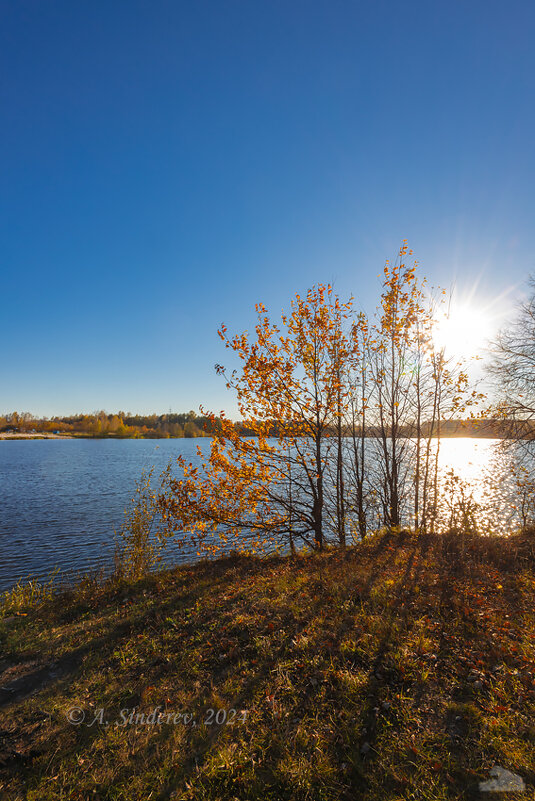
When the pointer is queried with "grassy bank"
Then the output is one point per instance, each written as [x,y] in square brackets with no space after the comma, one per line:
[400,669]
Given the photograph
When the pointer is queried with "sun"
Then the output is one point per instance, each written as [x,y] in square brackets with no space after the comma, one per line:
[463,332]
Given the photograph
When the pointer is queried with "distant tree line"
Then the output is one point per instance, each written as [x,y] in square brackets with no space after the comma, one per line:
[191,425]
[119,425]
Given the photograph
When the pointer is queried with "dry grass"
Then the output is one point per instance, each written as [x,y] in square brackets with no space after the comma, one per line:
[399,669]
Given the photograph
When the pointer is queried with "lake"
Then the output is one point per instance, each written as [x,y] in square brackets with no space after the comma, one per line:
[61,500]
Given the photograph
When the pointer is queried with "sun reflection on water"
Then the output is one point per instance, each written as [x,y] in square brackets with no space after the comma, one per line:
[471,459]
[485,473]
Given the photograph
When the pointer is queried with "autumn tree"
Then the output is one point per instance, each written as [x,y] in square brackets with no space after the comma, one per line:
[357,376]
[191,430]
[340,425]
[114,424]
[404,387]
[273,485]
[392,373]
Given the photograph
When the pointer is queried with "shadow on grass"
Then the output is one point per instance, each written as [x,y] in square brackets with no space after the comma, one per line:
[323,651]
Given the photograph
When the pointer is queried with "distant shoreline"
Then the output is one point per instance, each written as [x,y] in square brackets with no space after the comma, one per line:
[19,436]
[38,435]
[35,436]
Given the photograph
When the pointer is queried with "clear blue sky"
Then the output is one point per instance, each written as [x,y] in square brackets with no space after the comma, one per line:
[166,164]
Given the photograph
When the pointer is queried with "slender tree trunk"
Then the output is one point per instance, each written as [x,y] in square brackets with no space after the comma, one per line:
[394,400]
[418,446]
[340,499]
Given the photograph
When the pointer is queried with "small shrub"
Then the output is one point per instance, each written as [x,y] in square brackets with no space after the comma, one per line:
[136,551]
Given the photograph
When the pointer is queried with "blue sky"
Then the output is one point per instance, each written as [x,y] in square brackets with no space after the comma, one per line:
[165,165]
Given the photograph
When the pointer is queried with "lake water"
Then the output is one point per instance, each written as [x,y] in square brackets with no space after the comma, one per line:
[61,500]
